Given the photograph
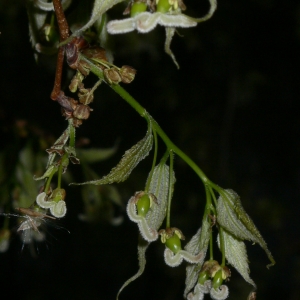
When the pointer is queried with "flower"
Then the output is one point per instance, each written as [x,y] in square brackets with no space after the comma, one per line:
[166,13]
[137,209]
[173,254]
[57,206]
[219,293]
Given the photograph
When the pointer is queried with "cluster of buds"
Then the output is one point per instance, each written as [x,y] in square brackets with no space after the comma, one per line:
[72,109]
[137,6]
[112,74]
[210,282]
[79,110]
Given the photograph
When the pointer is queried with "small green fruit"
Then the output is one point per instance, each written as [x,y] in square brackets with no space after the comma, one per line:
[137,8]
[143,205]
[218,279]
[203,276]
[174,243]
[163,6]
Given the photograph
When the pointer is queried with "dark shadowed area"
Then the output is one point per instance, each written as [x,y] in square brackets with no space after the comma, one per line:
[232,107]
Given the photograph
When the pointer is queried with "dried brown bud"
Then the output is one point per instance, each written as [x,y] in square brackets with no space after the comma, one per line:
[76,82]
[76,123]
[72,51]
[86,96]
[82,112]
[67,103]
[127,74]
[96,53]
[112,75]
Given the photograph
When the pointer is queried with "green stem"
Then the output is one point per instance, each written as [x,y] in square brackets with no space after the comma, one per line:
[211,252]
[60,170]
[168,222]
[222,246]
[72,133]
[141,110]
[48,182]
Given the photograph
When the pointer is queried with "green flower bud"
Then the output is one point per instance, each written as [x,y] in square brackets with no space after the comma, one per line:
[174,243]
[163,6]
[143,205]
[58,195]
[203,276]
[218,279]
[137,8]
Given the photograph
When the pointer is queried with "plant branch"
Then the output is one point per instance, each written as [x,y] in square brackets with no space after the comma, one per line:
[141,110]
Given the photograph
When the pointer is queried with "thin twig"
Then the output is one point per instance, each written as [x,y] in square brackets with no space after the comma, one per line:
[58,74]
[64,33]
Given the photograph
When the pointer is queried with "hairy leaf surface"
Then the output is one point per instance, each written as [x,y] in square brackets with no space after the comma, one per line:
[159,186]
[233,218]
[236,255]
[142,247]
[129,161]
[199,242]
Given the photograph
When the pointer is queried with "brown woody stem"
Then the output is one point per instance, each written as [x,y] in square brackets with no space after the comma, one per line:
[64,30]
[64,33]
[58,74]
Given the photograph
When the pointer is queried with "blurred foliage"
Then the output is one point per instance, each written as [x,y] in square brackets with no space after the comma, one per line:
[232,107]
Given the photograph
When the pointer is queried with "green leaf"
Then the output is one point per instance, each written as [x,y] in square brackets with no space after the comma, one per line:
[169,36]
[37,18]
[51,170]
[94,155]
[129,161]
[236,255]
[159,186]
[233,218]
[199,242]
[142,247]
[100,7]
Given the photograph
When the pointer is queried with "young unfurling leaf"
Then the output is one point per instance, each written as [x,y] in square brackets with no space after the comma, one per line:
[128,162]
[199,242]
[233,218]
[142,247]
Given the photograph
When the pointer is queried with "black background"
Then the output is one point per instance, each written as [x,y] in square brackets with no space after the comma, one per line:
[232,107]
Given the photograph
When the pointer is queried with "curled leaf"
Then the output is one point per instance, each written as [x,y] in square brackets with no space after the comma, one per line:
[199,242]
[233,218]
[142,247]
[220,293]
